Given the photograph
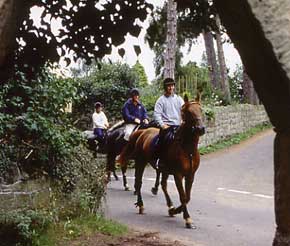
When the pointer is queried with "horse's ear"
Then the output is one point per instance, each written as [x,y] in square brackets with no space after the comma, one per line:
[185,98]
[198,97]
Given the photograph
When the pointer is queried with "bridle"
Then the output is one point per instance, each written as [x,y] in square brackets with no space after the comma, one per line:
[188,104]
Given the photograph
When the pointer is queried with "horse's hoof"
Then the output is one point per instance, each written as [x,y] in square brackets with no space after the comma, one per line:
[189,224]
[154,191]
[141,210]
[127,188]
[171,211]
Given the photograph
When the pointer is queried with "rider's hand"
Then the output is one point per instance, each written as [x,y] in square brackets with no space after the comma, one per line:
[146,121]
[164,126]
[137,121]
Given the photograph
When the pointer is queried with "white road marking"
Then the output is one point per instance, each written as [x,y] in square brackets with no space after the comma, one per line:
[219,188]
[239,191]
[263,196]
[245,193]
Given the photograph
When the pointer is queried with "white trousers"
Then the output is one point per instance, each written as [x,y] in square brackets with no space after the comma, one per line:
[128,130]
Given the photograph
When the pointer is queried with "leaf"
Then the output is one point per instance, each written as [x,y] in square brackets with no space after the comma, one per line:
[121,52]
[137,49]
[67,60]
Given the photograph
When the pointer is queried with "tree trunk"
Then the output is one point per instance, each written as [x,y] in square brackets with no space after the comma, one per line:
[211,59]
[8,27]
[264,48]
[249,92]
[225,86]
[169,56]
[11,17]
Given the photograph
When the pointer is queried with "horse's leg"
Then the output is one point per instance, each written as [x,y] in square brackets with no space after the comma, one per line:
[115,175]
[167,197]
[183,199]
[124,169]
[154,189]
[111,166]
[139,170]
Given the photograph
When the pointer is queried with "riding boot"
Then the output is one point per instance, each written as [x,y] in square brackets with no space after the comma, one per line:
[159,149]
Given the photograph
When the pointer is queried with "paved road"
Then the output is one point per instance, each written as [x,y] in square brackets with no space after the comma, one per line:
[232,199]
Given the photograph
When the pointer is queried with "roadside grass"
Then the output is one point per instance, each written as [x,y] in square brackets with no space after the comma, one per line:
[234,139]
[61,233]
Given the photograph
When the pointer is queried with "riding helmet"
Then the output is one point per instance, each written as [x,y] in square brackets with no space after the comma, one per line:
[98,105]
[134,92]
[168,81]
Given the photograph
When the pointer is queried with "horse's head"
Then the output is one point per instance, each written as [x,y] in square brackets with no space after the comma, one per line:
[192,115]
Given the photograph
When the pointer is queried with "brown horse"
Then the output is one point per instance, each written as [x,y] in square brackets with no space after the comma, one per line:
[181,157]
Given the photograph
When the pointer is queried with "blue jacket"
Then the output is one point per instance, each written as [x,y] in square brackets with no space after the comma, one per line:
[130,111]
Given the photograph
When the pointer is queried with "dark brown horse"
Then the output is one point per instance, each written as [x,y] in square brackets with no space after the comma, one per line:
[181,157]
[113,144]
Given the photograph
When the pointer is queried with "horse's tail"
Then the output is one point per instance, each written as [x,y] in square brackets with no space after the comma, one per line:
[129,150]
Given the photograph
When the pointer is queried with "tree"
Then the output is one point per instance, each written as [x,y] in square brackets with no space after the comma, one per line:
[211,59]
[107,83]
[190,23]
[250,94]
[88,31]
[169,56]
[266,61]
[142,77]
[225,87]
[192,78]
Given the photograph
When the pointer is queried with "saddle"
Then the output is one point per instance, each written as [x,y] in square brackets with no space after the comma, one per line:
[164,138]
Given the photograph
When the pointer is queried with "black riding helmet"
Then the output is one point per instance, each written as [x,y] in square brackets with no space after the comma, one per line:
[134,92]
[98,105]
[168,81]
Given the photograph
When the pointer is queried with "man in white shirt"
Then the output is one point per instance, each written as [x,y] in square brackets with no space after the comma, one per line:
[100,123]
[167,114]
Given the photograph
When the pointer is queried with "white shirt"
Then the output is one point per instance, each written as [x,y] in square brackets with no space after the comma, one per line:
[100,120]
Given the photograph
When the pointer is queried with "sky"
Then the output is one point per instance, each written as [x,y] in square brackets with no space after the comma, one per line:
[147,55]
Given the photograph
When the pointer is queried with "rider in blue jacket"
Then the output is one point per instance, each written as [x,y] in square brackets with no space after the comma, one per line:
[133,112]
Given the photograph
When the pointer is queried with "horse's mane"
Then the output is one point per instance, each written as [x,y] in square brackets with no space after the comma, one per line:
[116,125]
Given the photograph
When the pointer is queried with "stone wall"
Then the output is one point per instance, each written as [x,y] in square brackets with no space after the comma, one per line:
[230,120]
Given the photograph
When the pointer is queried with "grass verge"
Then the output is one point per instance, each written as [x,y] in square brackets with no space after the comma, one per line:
[234,139]
[63,232]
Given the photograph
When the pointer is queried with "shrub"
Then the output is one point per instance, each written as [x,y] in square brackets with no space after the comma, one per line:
[107,83]
[22,227]
[38,137]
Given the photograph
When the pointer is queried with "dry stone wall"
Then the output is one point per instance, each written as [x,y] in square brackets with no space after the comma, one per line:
[230,120]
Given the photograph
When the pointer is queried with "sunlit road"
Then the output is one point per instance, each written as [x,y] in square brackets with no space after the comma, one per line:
[231,204]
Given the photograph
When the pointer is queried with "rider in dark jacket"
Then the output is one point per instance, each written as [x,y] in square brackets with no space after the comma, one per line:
[133,112]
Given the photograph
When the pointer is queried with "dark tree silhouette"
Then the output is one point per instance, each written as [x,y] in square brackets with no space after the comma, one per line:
[89,29]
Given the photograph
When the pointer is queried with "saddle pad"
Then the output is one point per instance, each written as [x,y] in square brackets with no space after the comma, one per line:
[89,135]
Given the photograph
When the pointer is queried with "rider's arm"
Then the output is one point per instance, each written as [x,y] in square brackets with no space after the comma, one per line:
[128,118]
[106,122]
[95,120]
[158,110]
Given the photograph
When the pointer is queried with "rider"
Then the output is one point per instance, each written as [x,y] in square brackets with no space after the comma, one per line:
[134,113]
[167,113]
[100,123]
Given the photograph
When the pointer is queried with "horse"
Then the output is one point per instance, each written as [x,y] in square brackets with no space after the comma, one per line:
[113,144]
[180,159]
